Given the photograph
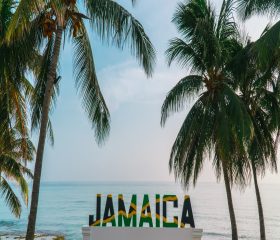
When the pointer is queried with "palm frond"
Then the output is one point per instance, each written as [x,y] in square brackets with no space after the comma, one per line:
[249,7]
[20,22]
[10,197]
[188,14]
[268,44]
[88,87]
[202,43]
[23,189]
[193,140]
[176,99]
[185,54]
[226,26]
[114,23]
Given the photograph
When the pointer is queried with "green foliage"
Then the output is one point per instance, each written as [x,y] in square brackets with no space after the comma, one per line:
[259,90]
[235,117]
[269,42]
[218,124]
[115,24]
[188,87]
[12,168]
[249,7]
[15,147]
[88,86]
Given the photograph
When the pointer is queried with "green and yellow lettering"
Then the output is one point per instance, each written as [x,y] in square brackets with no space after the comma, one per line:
[132,213]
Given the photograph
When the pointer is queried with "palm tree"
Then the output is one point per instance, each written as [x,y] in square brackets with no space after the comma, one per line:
[218,124]
[15,87]
[259,91]
[58,18]
[15,147]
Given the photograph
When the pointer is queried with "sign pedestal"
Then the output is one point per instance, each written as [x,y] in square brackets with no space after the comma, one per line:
[127,233]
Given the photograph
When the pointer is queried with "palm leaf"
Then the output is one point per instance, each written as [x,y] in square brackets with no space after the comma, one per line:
[20,22]
[226,27]
[176,99]
[88,87]
[192,142]
[248,7]
[188,14]
[185,54]
[268,44]
[114,23]
[10,197]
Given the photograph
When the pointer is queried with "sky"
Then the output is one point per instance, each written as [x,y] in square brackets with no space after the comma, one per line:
[138,147]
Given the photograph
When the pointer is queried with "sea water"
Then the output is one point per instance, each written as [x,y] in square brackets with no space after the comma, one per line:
[65,207]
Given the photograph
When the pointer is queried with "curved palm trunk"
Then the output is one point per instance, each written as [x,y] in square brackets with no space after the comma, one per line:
[230,203]
[42,137]
[259,201]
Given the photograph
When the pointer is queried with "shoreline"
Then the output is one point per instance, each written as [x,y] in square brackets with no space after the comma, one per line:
[38,236]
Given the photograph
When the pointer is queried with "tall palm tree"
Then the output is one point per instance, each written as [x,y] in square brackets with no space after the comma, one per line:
[58,18]
[15,147]
[259,90]
[264,48]
[15,87]
[217,124]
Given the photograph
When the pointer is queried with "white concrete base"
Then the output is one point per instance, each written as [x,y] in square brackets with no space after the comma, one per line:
[116,233]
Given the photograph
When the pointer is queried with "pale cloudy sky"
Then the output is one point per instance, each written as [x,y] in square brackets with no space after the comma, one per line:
[138,148]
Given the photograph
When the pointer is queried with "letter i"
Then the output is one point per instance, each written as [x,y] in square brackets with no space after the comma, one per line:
[157,210]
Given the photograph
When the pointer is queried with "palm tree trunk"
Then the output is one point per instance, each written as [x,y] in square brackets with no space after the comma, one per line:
[42,137]
[259,201]
[230,203]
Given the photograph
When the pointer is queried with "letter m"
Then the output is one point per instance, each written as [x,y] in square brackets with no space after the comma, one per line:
[125,218]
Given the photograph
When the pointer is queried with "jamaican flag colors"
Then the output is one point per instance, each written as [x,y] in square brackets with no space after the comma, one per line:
[118,214]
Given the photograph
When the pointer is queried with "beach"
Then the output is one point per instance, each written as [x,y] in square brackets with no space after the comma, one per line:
[64,208]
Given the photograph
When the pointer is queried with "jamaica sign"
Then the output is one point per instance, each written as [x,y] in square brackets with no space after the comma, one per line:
[129,218]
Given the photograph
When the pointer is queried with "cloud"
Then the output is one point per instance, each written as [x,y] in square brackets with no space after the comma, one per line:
[126,82]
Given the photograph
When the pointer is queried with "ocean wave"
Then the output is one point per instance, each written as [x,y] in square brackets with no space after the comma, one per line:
[7,223]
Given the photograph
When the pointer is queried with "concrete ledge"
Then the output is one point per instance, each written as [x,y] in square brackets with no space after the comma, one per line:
[116,233]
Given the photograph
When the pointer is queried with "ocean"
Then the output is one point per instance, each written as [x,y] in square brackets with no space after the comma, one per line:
[65,207]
